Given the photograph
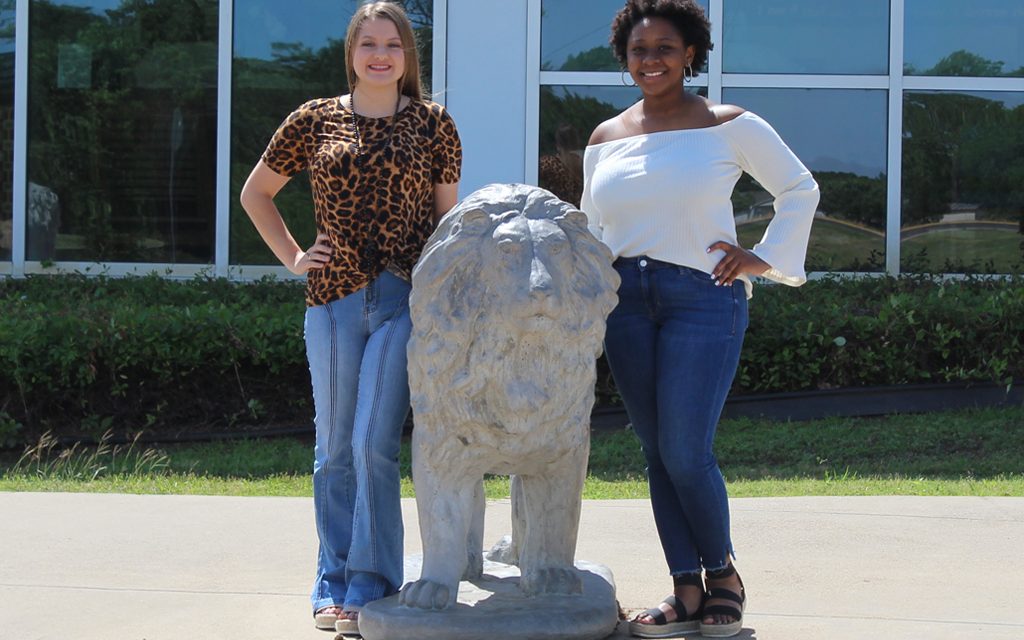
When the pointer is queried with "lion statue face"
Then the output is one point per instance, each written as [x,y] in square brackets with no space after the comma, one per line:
[511,275]
[537,255]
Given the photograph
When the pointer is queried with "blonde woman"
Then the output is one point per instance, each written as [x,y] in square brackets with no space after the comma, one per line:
[384,165]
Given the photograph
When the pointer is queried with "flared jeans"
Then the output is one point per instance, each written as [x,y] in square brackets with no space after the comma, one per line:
[356,348]
[673,345]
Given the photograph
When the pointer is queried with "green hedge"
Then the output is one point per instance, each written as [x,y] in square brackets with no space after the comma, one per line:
[79,355]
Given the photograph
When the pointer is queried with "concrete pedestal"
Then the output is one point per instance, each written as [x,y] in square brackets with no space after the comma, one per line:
[494,607]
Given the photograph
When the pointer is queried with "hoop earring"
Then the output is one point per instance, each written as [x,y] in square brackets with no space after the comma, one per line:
[688,77]
[630,83]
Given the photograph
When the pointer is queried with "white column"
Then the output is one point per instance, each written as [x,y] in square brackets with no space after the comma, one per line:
[717,13]
[19,226]
[894,171]
[486,88]
[225,47]
[439,55]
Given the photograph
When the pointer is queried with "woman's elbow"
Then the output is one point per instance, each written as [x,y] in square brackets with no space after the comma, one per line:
[251,196]
[809,186]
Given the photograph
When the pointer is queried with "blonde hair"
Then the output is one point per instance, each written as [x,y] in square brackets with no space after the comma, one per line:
[409,84]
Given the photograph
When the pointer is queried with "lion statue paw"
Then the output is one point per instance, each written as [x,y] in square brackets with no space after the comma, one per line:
[425,594]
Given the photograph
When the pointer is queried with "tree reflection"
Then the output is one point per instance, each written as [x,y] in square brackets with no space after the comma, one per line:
[122,130]
[963,166]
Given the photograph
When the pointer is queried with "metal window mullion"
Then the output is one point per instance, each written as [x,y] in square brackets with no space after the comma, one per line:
[894,170]
[596,78]
[19,191]
[584,78]
[804,81]
[225,50]
[439,55]
[952,83]
[532,128]
[250,272]
[717,10]
[116,269]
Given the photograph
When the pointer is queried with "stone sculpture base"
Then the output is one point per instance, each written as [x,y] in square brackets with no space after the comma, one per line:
[494,607]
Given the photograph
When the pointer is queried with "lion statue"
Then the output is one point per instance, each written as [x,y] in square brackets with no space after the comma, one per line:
[508,305]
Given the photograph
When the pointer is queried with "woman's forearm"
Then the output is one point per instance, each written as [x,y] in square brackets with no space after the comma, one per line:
[271,227]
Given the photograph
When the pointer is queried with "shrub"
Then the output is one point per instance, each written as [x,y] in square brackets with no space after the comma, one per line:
[883,331]
[80,355]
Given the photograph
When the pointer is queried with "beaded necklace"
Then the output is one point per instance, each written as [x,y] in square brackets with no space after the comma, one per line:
[358,136]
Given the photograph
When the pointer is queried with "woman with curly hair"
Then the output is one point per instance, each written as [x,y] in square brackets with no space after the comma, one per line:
[658,178]
[384,166]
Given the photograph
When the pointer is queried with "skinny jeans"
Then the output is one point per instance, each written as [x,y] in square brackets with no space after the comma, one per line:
[673,345]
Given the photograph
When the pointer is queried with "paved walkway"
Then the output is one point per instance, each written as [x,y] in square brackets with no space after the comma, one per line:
[121,567]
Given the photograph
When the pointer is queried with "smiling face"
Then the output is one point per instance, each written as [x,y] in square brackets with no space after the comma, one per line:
[656,56]
[378,55]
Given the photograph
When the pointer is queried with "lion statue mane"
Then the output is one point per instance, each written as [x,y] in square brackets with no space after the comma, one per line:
[508,304]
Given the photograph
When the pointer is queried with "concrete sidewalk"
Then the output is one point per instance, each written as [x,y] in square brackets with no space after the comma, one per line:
[123,567]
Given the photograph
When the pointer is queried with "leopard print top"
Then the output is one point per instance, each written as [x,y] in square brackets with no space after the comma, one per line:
[379,212]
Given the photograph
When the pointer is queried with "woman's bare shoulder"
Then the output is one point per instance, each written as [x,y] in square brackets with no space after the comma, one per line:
[725,112]
[610,129]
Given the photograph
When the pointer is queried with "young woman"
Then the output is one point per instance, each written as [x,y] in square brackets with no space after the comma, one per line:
[384,165]
[657,184]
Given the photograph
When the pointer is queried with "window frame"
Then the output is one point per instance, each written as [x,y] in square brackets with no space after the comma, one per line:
[18,266]
[895,82]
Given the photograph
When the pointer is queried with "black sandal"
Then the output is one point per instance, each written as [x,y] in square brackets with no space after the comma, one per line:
[728,629]
[685,621]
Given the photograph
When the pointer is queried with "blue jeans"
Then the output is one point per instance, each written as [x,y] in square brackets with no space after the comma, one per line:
[357,362]
[673,345]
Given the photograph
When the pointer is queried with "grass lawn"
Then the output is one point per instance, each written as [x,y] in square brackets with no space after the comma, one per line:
[974,453]
[956,246]
[833,246]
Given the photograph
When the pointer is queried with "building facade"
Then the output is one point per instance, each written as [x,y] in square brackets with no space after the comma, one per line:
[129,126]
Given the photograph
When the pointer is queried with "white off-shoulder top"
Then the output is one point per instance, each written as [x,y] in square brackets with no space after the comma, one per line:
[667,195]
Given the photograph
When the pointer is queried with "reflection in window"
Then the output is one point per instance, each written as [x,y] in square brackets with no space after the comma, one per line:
[284,55]
[122,130]
[955,38]
[568,115]
[840,135]
[963,166]
[801,36]
[574,34]
[6,126]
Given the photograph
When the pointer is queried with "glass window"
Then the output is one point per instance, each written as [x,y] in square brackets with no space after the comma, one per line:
[805,36]
[568,115]
[840,135]
[6,125]
[574,34]
[956,38]
[963,167]
[284,55]
[122,130]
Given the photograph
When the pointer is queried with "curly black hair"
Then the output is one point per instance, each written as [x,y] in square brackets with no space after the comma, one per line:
[685,15]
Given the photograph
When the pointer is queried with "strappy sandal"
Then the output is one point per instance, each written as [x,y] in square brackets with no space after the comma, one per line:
[685,621]
[326,617]
[348,623]
[729,629]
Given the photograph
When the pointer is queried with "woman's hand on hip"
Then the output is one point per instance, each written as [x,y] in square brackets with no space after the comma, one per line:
[736,262]
[314,258]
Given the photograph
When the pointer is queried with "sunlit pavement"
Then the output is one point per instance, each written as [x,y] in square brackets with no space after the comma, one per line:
[111,567]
